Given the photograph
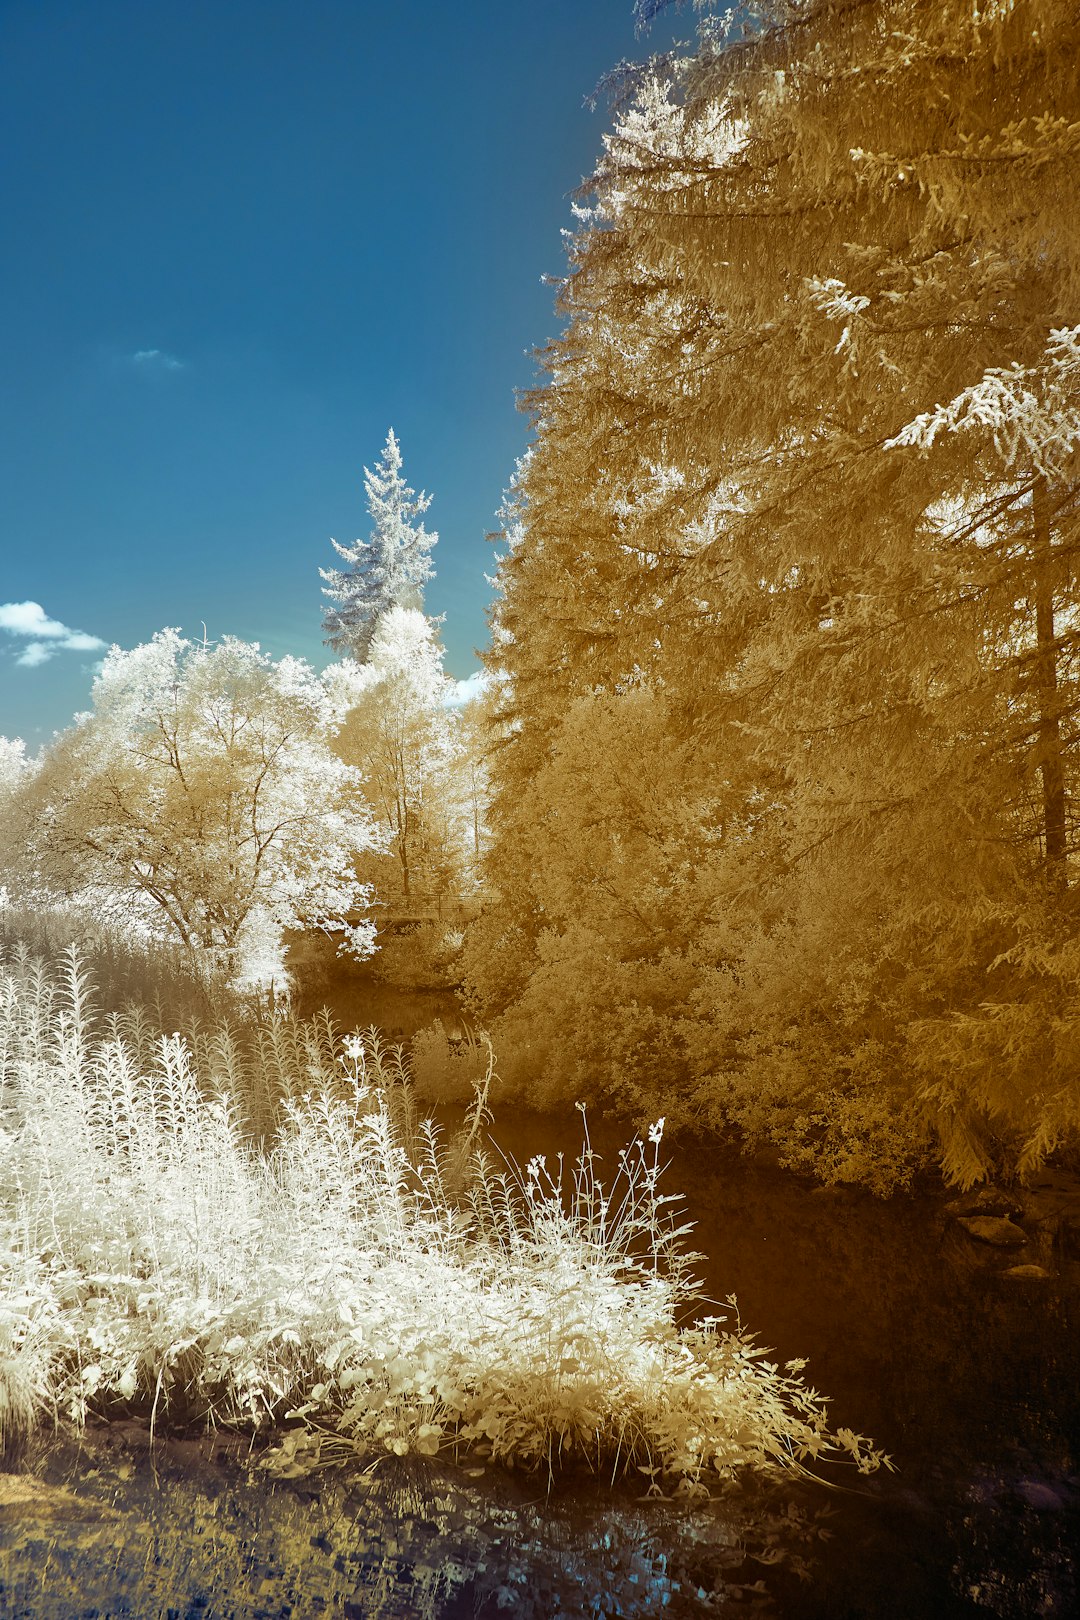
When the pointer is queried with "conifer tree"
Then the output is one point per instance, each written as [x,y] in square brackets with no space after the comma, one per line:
[805,498]
[387,570]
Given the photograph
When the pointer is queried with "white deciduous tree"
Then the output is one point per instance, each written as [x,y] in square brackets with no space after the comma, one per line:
[201,794]
[389,569]
[15,772]
[398,730]
[14,764]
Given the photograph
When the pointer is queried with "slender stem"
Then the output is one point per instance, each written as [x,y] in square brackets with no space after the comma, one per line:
[1046,690]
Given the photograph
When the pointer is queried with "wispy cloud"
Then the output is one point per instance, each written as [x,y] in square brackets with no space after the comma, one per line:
[44,636]
[156,360]
[38,652]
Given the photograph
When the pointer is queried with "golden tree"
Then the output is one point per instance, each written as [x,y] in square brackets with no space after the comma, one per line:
[806,470]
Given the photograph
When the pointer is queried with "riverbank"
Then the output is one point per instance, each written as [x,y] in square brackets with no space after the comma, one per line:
[969,1377]
[195,1302]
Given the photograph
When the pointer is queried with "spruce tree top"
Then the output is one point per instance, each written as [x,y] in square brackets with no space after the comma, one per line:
[387,570]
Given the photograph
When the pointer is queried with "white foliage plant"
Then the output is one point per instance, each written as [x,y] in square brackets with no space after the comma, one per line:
[355,1277]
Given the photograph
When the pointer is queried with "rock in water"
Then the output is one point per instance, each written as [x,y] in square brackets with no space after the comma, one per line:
[994,1229]
[984,1201]
[1039,1496]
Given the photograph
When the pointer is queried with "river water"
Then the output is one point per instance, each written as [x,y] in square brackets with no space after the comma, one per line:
[968,1376]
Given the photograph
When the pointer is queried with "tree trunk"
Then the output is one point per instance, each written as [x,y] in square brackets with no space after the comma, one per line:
[403,855]
[1055,841]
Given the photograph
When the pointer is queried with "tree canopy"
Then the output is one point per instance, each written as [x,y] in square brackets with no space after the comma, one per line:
[201,795]
[788,618]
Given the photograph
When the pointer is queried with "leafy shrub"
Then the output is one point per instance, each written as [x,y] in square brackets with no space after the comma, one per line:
[449,1068]
[29,1327]
[423,957]
[841,1120]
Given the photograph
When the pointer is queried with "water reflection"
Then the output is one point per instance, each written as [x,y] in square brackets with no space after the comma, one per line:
[967,1376]
[189,1531]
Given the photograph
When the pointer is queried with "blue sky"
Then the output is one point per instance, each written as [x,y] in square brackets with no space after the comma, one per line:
[243,238]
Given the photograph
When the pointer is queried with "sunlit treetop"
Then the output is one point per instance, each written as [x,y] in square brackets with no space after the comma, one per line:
[388,570]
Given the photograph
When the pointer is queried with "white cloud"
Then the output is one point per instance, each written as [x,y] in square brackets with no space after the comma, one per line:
[46,636]
[79,641]
[29,619]
[464,691]
[157,359]
[38,652]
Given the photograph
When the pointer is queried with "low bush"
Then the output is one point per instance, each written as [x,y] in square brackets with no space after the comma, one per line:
[352,1271]
[449,1068]
[856,1119]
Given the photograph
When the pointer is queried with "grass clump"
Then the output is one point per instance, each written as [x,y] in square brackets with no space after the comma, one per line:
[335,1263]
